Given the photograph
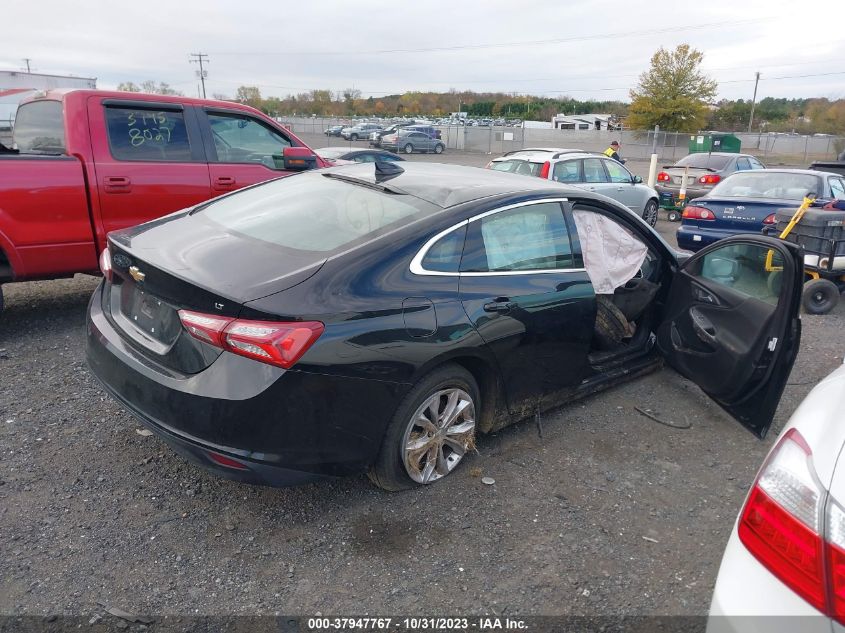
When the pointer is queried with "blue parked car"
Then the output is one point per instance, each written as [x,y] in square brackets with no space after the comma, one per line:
[746,201]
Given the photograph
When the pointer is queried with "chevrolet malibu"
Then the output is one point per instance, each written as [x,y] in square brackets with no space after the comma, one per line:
[376,318]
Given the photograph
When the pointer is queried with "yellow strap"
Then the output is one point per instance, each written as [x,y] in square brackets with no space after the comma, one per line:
[796,218]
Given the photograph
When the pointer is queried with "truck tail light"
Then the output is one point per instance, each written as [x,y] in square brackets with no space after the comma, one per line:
[544,170]
[709,179]
[663,177]
[105,264]
[280,344]
[698,213]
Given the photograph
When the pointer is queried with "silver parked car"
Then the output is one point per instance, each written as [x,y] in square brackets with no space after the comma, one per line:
[410,141]
[361,130]
[704,171]
[594,172]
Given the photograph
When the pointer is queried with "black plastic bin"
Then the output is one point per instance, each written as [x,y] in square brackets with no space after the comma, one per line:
[818,232]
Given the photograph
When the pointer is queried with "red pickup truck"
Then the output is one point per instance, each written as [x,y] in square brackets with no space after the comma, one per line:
[88,162]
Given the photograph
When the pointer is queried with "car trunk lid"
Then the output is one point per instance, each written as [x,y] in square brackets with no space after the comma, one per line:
[742,213]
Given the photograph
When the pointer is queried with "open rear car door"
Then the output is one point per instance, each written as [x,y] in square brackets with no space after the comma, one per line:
[731,324]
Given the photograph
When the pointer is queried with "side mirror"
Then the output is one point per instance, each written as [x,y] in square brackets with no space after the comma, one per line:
[721,269]
[637,180]
[295,159]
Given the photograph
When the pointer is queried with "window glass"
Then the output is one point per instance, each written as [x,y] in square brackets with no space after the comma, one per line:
[40,128]
[314,213]
[756,164]
[505,165]
[593,170]
[445,255]
[837,188]
[768,184]
[617,172]
[742,164]
[143,134]
[364,158]
[567,171]
[240,139]
[531,237]
[744,268]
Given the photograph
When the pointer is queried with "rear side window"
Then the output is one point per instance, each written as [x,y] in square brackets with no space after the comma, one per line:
[594,170]
[40,128]
[530,237]
[742,164]
[445,255]
[567,171]
[504,165]
[311,212]
[837,188]
[142,134]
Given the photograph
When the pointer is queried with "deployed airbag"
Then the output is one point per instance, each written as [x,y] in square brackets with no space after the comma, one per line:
[612,254]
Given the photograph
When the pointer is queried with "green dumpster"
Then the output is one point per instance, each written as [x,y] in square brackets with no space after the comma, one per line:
[699,143]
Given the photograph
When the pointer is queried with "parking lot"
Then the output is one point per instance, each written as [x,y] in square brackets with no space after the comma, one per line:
[600,510]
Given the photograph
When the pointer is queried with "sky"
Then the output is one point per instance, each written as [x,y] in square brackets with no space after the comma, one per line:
[577,48]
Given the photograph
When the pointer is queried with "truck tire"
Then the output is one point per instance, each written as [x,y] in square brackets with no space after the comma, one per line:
[819,296]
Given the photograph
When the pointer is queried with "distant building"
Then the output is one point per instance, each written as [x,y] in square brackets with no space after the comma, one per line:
[585,122]
[16,85]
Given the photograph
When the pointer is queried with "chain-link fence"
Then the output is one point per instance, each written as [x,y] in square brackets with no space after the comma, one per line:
[772,148]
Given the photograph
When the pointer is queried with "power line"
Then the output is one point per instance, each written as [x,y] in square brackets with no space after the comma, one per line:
[462,47]
[200,57]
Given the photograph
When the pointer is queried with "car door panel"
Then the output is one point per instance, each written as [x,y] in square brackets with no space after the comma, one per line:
[538,323]
[731,324]
[621,187]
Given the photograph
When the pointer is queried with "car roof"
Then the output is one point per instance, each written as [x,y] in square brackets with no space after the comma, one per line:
[809,172]
[450,185]
[542,150]
[543,156]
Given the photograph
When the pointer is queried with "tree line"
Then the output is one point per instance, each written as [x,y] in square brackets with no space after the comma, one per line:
[673,93]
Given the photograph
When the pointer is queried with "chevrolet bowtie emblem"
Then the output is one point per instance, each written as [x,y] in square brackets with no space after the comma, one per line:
[137,275]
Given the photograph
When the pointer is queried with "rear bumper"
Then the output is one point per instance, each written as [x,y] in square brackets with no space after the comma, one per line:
[283,427]
[669,195]
[693,238]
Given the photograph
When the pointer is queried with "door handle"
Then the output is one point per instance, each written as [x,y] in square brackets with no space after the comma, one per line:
[501,305]
[224,181]
[117,184]
[702,327]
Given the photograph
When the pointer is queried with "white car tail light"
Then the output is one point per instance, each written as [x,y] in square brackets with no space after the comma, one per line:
[783,526]
[280,344]
[105,264]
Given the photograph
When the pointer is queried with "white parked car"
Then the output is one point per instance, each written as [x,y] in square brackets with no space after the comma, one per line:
[594,172]
[786,553]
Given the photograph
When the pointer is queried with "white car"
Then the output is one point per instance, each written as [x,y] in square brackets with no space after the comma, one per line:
[786,553]
[594,172]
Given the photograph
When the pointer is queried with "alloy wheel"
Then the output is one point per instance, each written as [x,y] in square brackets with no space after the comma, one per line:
[438,435]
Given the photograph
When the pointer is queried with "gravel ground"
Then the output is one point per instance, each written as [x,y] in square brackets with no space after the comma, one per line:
[607,513]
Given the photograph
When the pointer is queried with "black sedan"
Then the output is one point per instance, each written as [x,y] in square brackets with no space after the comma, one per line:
[358,155]
[376,318]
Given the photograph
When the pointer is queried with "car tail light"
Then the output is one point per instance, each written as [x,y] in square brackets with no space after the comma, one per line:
[709,179]
[228,462]
[105,264]
[663,177]
[280,344]
[698,213]
[780,524]
[771,219]
[489,165]
[544,170]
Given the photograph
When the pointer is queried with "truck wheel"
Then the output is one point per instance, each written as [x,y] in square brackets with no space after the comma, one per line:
[820,296]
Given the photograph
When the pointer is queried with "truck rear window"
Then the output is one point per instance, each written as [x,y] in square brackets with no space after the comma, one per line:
[144,134]
[40,128]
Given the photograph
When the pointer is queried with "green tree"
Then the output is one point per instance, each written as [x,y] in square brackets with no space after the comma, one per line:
[160,88]
[673,93]
[250,95]
[128,86]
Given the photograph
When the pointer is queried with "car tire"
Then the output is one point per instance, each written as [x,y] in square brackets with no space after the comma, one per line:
[650,212]
[673,216]
[408,149]
[438,149]
[397,466]
[819,296]
[353,137]
[611,325]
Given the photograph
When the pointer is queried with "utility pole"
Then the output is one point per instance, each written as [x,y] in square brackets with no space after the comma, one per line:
[27,60]
[753,100]
[200,58]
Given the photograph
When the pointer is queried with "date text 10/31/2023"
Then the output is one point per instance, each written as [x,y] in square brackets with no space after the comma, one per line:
[414,624]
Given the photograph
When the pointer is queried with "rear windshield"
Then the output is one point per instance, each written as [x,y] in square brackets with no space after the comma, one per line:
[517,167]
[704,161]
[40,128]
[768,184]
[310,212]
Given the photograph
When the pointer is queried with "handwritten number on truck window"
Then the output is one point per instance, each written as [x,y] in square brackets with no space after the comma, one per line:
[152,127]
